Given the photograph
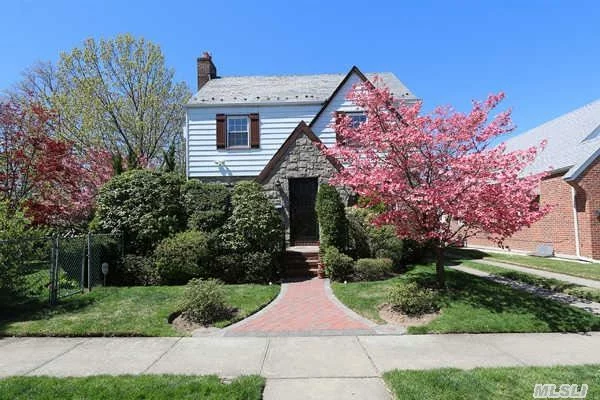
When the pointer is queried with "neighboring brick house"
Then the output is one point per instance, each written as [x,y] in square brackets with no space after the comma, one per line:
[269,128]
[572,155]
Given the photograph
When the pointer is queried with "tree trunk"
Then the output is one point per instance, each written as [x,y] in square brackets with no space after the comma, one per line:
[439,267]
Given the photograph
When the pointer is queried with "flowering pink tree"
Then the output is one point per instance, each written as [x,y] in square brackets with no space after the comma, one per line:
[438,175]
[46,175]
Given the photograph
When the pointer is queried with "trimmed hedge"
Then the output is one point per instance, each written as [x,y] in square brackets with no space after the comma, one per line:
[373,269]
[338,266]
[207,205]
[331,213]
[182,257]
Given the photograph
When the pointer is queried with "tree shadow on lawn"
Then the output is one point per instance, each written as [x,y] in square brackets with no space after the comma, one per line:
[483,294]
[455,255]
[40,309]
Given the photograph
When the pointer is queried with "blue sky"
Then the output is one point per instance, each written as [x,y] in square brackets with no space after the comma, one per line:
[543,54]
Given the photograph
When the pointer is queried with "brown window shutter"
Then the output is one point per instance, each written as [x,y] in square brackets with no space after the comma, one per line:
[338,117]
[221,136]
[254,131]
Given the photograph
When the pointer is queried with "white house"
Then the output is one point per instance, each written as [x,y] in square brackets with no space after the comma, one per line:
[266,128]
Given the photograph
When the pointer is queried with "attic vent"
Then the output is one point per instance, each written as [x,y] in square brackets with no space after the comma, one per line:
[595,133]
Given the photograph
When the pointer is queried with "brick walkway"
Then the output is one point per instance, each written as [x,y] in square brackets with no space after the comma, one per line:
[303,308]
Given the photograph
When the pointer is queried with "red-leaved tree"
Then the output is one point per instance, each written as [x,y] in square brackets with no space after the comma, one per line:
[438,175]
[44,174]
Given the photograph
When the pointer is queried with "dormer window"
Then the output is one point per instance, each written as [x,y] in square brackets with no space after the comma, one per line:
[237,131]
[357,118]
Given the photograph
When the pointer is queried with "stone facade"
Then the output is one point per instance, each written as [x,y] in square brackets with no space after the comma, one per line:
[302,159]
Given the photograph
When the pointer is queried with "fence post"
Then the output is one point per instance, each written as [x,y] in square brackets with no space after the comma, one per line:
[83,257]
[89,263]
[51,271]
[54,272]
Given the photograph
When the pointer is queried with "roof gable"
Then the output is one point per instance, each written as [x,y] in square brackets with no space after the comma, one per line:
[301,129]
[353,71]
[570,141]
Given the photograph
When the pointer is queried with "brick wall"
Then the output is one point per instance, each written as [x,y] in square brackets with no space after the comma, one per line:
[558,227]
[555,228]
[588,201]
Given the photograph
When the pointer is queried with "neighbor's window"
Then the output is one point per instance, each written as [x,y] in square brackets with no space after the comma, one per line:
[237,131]
[357,118]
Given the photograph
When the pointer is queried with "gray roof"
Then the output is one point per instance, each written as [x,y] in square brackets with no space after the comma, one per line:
[573,141]
[284,89]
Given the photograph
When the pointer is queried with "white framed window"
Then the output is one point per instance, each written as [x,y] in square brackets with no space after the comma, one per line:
[238,131]
[357,118]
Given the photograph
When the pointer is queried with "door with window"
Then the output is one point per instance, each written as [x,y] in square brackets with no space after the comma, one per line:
[304,227]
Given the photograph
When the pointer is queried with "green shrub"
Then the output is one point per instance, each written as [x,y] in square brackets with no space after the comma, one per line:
[410,299]
[254,224]
[257,267]
[228,268]
[14,251]
[207,205]
[368,240]
[144,205]
[134,270]
[338,266]
[358,234]
[182,257]
[373,269]
[252,237]
[204,301]
[413,251]
[333,225]
[385,243]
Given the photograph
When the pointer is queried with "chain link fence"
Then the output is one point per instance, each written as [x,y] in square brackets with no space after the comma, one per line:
[25,268]
[45,269]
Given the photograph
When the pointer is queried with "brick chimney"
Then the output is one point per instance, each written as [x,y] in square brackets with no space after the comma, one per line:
[206,69]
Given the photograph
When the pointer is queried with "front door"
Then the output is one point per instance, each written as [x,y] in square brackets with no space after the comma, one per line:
[303,217]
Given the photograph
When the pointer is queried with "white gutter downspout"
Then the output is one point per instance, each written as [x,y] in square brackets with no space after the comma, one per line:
[575,223]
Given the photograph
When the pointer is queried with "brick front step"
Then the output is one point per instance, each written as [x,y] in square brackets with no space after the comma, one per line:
[301,261]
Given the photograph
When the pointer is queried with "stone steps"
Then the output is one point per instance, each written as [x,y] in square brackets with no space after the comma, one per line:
[301,261]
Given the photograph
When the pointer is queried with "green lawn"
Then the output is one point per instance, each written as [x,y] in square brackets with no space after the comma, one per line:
[583,270]
[488,383]
[546,283]
[147,387]
[472,305]
[122,311]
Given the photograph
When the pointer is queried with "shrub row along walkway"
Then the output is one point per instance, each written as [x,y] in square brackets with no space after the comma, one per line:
[295,367]
[544,274]
[303,308]
[589,306]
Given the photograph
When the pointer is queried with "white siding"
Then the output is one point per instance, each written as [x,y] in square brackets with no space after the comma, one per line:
[322,126]
[277,122]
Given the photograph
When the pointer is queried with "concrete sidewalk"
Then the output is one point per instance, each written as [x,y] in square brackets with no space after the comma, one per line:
[544,274]
[586,305]
[295,367]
